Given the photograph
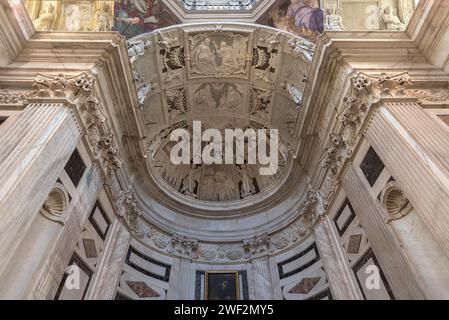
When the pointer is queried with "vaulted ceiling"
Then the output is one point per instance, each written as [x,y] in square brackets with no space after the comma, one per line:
[226,76]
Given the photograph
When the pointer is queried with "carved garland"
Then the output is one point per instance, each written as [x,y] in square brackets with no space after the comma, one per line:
[308,216]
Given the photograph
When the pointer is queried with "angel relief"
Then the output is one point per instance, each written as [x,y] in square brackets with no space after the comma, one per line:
[218,54]
[218,96]
[216,181]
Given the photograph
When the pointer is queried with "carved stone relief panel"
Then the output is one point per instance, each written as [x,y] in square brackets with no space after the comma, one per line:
[218,97]
[219,53]
[217,182]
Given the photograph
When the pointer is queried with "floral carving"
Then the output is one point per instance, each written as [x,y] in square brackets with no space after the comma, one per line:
[62,87]
[432,95]
[13,97]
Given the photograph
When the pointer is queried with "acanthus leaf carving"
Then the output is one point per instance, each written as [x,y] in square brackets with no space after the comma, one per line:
[60,86]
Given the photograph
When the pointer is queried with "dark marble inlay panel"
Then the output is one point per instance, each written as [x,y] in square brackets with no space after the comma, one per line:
[90,248]
[372,166]
[75,167]
[142,289]
[305,285]
[354,243]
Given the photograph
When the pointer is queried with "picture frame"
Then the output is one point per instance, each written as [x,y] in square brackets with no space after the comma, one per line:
[221,285]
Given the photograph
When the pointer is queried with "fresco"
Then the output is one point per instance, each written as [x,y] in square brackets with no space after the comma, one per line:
[71,15]
[133,17]
[302,17]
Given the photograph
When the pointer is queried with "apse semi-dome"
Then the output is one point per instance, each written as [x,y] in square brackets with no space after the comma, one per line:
[226,76]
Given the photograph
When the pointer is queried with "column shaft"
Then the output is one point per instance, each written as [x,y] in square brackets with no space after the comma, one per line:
[414,147]
[109,270]
[397,270]
[263,287]
[337,269]
[33,151]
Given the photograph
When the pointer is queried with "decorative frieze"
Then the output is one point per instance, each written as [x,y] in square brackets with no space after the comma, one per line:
[13,97]
[310,212]
[432,95]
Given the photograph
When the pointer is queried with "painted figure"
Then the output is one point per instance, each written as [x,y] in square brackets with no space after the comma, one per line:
[133,17]
[306,15]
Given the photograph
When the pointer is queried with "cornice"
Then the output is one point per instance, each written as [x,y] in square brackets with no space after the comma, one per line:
[344,54]
[16,28]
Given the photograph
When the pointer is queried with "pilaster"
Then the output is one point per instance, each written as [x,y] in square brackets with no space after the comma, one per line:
[335,263]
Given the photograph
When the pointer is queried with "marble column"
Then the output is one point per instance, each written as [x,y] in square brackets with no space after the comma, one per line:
[414,147]
[33,151]
[182,281]
[400,275]
[108,273]
[263,287]
[47,277]
[338,272]
[430,263]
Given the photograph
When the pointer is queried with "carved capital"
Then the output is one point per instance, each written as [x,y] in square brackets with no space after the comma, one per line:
[60,86]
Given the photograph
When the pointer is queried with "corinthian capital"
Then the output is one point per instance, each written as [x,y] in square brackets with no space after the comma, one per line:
[383,85]
[60,86]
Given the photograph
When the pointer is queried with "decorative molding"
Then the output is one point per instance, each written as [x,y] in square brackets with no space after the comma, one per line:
[308,215]
[434,95]
[366,92]
[13,97]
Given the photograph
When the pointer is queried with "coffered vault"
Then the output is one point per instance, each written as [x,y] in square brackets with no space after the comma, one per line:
[226,76]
